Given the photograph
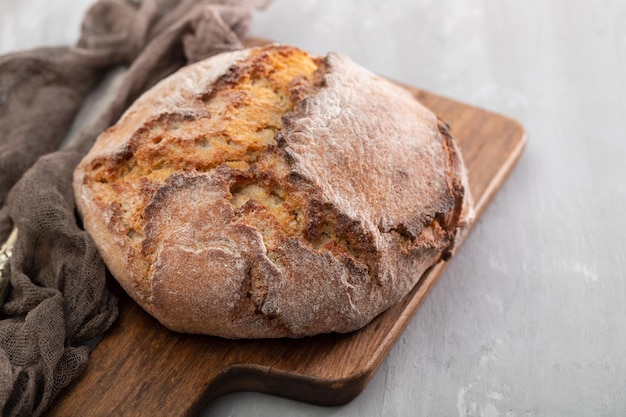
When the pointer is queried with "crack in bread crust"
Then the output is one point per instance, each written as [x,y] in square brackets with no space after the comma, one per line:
[244,111]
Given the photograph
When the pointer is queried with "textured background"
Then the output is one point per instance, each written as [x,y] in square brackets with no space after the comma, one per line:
[529,319]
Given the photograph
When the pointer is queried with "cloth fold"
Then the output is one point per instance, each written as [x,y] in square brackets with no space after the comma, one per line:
[59,299]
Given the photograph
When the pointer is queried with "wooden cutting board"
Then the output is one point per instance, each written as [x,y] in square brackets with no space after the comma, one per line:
[142,369]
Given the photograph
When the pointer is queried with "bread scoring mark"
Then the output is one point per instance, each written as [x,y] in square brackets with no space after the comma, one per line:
[242,114]
[449,222]
[328,230]
[437,232]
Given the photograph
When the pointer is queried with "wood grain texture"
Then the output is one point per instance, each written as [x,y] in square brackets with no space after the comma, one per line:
[142,369]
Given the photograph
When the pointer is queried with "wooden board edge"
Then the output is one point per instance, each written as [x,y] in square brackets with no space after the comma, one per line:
[497,181]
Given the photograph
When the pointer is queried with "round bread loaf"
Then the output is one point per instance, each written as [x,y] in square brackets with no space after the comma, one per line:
[270,193]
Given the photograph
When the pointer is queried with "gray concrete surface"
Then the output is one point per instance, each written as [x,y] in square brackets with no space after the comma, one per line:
[530,318]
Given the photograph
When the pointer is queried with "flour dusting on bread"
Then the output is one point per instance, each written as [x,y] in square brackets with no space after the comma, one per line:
[271,193]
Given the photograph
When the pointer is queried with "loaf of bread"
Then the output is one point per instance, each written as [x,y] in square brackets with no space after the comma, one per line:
[271,193]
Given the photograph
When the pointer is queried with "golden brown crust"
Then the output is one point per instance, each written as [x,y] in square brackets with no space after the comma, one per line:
[269,193]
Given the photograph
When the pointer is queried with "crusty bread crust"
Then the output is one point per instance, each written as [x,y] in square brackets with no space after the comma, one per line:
[324,206]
